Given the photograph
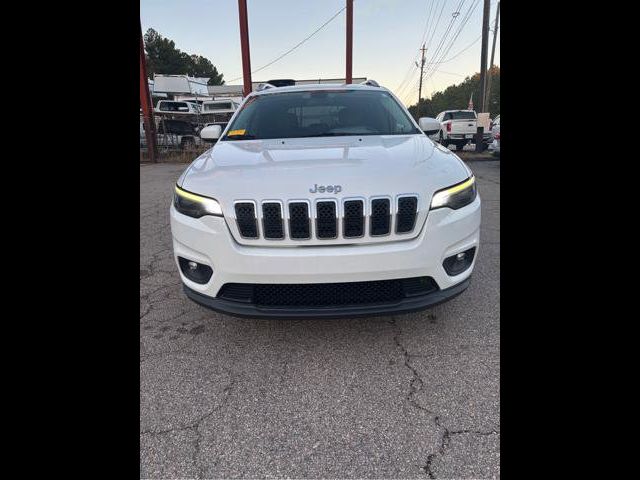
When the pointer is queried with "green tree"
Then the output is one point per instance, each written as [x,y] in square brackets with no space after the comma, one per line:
[457,97]
[202,67]
[164,58]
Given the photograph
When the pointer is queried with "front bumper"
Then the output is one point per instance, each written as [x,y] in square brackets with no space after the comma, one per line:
[208,241]
[406,305]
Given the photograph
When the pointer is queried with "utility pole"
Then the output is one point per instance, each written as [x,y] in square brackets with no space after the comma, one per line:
[349,71]
[147,105]
[493,52]
[483,56]
[421,67]
[244,46]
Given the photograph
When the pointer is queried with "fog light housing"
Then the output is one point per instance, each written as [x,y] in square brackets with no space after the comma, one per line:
[458,263]
[194,271]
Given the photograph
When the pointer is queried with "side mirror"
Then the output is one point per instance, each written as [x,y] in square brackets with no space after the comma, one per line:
[211,133]
[429,126]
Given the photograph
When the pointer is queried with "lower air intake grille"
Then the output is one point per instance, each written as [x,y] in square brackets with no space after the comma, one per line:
[246,217]
[327,294]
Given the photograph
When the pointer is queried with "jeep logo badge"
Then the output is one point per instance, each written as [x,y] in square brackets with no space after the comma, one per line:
[325,188]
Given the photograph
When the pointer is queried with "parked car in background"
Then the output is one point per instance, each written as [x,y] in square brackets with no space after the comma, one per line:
[495,125]
[495,135]
[172,106]
[495,146]
[173,133]
[458,127]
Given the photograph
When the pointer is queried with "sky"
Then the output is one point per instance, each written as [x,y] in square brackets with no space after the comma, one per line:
[387,36]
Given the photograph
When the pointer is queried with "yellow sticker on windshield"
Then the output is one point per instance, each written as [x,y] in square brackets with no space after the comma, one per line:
[236,132]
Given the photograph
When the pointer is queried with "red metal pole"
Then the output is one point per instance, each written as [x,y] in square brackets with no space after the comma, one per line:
[349,78]
[244,45]
[147,105]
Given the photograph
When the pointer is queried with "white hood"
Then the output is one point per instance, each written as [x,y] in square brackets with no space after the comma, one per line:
[286,169]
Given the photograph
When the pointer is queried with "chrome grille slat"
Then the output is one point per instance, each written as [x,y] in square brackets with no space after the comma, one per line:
[327,219]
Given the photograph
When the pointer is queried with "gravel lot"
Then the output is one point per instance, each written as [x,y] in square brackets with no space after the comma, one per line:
[406,396]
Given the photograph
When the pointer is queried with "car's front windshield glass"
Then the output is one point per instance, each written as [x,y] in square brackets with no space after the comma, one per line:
[320,113]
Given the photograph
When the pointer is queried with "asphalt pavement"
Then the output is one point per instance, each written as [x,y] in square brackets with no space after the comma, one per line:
[405,396]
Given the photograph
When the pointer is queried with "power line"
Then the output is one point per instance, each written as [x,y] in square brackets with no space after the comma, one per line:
[436,24]
[447,48]
[295,46]
[460,52]
[434,67]
[402,91]
[409,71]
[454,16]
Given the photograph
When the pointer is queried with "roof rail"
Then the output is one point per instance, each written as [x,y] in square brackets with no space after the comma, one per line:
[264,86]
[371,83]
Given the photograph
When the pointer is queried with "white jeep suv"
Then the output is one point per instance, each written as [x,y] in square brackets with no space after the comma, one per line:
[324,201]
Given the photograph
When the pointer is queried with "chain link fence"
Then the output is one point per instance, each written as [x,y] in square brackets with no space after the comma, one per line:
[178,135]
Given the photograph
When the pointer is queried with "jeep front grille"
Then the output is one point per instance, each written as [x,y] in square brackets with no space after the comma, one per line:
[246,218]
[326,219]
[353,221]
[272,221]
[299,221]
[406,216]
[380,217]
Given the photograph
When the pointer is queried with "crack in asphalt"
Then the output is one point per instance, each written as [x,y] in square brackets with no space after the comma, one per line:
[155,258]
[195,426]
[415,384]
[444,444]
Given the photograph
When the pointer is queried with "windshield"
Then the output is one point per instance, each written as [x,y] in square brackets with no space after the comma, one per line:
[320,113]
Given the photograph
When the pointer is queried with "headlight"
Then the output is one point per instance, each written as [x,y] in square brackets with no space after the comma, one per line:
[195,206]
[457,196]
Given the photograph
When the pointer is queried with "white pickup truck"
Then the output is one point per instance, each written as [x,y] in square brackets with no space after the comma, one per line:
[458,128]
